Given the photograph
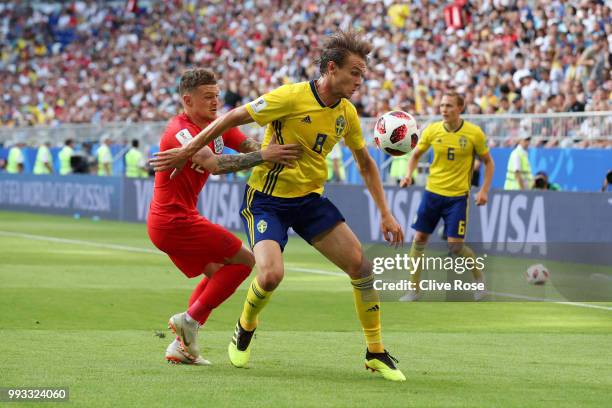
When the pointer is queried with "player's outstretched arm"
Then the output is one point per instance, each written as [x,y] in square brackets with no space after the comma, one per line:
[392,231]
[230,163]
[412,165]
[249,145]
[176,158]
[483,195]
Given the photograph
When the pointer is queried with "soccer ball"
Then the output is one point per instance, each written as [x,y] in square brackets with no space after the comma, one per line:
[537,274]
[396,133]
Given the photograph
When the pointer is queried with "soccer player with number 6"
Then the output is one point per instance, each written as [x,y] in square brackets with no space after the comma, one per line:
[455,143]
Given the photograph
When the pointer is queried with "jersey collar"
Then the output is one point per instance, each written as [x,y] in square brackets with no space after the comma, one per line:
[313,88]
[455,131]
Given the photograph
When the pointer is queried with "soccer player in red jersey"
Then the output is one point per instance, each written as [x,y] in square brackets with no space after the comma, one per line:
[316,114]
[193,243]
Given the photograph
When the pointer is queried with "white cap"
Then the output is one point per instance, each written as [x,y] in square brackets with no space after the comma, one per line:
[523,73]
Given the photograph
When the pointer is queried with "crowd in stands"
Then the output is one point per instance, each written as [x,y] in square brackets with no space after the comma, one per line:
[90,61]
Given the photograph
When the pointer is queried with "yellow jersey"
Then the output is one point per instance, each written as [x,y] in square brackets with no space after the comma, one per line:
[296,114]
[450,173]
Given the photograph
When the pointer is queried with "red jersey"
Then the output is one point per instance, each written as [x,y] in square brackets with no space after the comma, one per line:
[175,201]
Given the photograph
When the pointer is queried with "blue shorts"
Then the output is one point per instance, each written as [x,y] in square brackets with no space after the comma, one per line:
[452,209]
[268,217]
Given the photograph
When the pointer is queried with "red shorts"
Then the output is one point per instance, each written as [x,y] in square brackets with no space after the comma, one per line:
[193,246]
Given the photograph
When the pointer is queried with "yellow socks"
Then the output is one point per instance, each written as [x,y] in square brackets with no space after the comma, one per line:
[466,252]
[256,300]
[416,251]
[367,305]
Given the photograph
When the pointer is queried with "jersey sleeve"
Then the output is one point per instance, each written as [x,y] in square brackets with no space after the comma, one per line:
[354,137]
[480,142]
[233,138]
[175,136]
[271,106]
[425,139]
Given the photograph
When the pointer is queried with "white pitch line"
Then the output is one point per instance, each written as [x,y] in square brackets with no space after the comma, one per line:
[80,242]
[584,305]
[315,271]
[293,268]
[537,299]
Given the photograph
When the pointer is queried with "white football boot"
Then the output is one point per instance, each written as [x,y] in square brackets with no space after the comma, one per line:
[187,332]
[175,355]
[480,294]
[410,296]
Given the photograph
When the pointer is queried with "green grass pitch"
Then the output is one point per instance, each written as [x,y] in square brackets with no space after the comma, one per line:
[84,314]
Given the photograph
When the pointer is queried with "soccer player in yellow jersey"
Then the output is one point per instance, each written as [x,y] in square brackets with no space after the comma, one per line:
[317,115]
[455,143]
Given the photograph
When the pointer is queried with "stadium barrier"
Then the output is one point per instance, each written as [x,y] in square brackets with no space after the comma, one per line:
[567,126]
[571,169]
[513,223]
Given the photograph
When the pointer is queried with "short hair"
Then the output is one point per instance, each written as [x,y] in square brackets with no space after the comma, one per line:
[339,45]
[193,78]
[458,97]
[68,142]
[135,143]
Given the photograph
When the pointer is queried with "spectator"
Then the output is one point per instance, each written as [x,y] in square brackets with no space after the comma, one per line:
[83,162]
[105,158]
[397,169]
[232,97]
[540,182]
[65,157]
[504,105]
[44,160]
[572,104]
[517,105]
[135,164]
[54,70]
[607,184]
[335,165]
[475,182]
[518,175]
[15,160]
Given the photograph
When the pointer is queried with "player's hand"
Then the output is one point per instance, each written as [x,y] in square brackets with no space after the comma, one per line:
[406,181]
[481,197]
[169,159]
[283,154]
[392,232]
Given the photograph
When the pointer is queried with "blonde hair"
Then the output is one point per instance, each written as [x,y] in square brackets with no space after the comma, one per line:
[458,97]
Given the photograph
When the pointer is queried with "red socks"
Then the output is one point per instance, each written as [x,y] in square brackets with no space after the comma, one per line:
[211,292]
[198,290]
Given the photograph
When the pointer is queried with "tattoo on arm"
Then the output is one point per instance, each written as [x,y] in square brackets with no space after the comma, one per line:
[249,145]
[229,163]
